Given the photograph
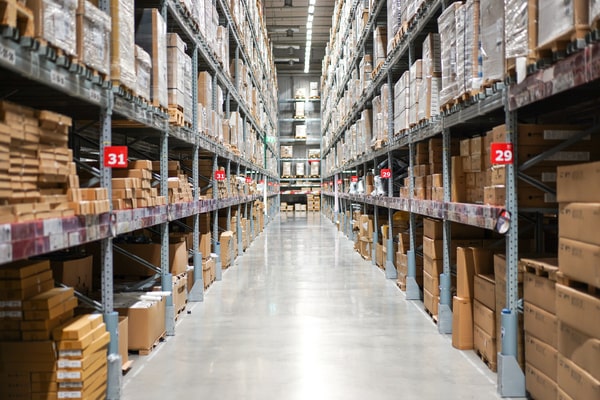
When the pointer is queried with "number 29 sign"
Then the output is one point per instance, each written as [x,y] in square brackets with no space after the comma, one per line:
[115,156]
[501,153]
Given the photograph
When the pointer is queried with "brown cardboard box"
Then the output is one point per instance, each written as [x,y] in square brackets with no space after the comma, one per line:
[123,336]
[483,261]
[579,221]
[123,265]
[76,273]
[48,299]
[51,313]
[580,348]
[538,384]
[541,355]
[540,291]
[578,183]
[541,324]
[23,269]
[575,381]
[432,248]
[78,328]
[484,343]
[433,267]
[562,395]
[205,244]
[484,289]
[179,292]
[146,320]
[579,261]
[578,309]
[226,241]
[464,272]
[431,283]
[458,183]
[430,302]
[462,323]
[484,318]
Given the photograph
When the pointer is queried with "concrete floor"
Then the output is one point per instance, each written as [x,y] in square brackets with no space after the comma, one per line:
[302,316]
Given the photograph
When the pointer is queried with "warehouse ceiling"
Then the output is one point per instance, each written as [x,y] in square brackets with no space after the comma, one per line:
[287,26]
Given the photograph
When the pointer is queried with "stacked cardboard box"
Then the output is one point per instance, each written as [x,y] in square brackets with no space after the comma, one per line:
[55,23]
[228,248]
[208,271]
[448,39]
[132,187]
[415,81]
[127,268]
[146,318]
[74,271]
[474,165]
[122,44]
[401,230]
[178,80]
[402,103]
[462,303]
[429,93]
[577,301]
[313,202]
[93,37]
[20,281]
[541,330]
[365,235]
[143,73]
[151,35]
[46,311]
[485,336]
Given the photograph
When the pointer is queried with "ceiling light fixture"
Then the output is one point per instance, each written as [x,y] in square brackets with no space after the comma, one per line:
[311,9]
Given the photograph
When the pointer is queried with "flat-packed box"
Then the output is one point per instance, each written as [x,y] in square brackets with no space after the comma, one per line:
[151,35]
[579,221]
[465,272]
[23,269]
[430,302]
[484,290]
[578,309]
[539,385]
[485,344]
[579,261]
[431,283]
[484,318]
[123,339]
[176,74]
[93,37]
[575,381]
[577,183]
[540,291]
[541,355]
[580,348]
[541,324]
[76,273]
[462,323]
[146,319]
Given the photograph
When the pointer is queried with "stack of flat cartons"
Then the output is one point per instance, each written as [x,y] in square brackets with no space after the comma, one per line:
[415,81]
[429,92]
[122,44]
[93,37]
[208,271]
[228,243]
[402,227]
[448,53]
[402,103]
[132,187]
[176,78]
[20,281]
[365,235]
[46,311]
[541,330]
[313,202]
[577,300]
[484,312]
[462,303]
[146,318]
[474,163]
[151,35]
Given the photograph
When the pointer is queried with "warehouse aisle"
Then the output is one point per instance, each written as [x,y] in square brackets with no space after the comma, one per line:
[302,316]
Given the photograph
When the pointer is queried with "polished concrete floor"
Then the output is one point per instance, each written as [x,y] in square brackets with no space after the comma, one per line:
[302,316]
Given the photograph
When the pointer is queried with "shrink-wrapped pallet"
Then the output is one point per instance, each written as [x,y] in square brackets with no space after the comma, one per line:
[561,20]
[401,103]
[379,45]
[93,37]
[430,88]
[416,79]
[448,37]
[143,72]
[469,64]
[315,168]
[300,171]
[188,105]
[491,31]
[151,35]
[205,89]
[394,21]
[175,70]
[55,23]
[287,151]
[520,29]
[286,169]
[122,49]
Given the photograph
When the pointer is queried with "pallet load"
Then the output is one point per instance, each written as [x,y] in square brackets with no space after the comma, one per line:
[122,45]
[448,38]
[178,81]
[521,33]
[560,23]
[541,329]
[485,338]
[151,35]
[55,24]
[429,92]
[93,38]
[577,293]
[143,73]
[132,187]
[415,82]
[401,103]
[492,39]
[402,227]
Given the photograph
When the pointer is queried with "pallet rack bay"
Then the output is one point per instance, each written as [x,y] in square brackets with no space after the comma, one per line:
[35,74]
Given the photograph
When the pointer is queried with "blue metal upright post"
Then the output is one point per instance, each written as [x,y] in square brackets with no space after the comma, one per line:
[444,309]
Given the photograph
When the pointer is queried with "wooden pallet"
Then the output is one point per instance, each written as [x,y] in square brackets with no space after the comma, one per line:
[146,352]
[379,144]
[491,365]
[577,285]
[176,115]
[434,317]
[125,368]
[377,69]
[17,16]
[401,286]
[546,268]
[123,90]
[558,48]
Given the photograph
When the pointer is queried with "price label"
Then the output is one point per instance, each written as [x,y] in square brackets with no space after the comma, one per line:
[248,179]
[385,173]
[502,153]
[115,156]
[8,55]
[220,175]
[354,179]
[58,79]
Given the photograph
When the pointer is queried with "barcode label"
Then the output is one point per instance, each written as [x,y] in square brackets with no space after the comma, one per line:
[58,79]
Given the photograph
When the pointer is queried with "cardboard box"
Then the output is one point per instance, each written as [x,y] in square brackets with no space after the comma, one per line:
[123,265]
[485,344]
[51,313]
[431,283]
[541,324]
[579,221]
[123,336]
[151,35]
[580,348]
[433,267]
[465,272]
[146,321]
[76,273]
[462,323]
[540,291]
[578,309]
[576,382]
[541,355]
[538,384]
[484,288]
[23,269]
[430,302]
[432,248]
[48,299]
[484,318]
[579,261]
[578,183]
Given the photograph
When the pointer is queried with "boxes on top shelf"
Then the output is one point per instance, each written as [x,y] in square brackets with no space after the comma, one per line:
[176,77]
[395,18]
[448,42]
[143,73]
[491,35]
[122,44]
[55,22]
[93,37]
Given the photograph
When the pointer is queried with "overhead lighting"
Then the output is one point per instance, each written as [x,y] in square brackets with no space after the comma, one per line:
[311,9]
[309,25]
[312,2]
[310,17]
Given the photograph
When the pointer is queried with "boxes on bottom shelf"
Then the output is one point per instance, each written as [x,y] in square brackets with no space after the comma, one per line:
[485,346]
[541,355]
[576,382]
[580,348]
[431,302]
[146,318]
[578,309]
[538,384]
[462,323]
[541,324]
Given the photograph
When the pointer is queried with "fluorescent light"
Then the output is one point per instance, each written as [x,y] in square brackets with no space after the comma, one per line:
[309,25]
[311,9]
[310,17]
[306,67]
[312,2]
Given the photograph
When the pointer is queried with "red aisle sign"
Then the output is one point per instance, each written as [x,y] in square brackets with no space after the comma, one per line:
[339,182]
[501,153]
[385,173]
[115,156]
[220,175]
[248,179]
[261,182]
[270,183]
[354,179]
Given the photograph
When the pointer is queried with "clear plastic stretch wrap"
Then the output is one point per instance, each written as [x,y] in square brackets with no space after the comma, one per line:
[379,45]
[300,132]
[594,11]
[188,106]
[143,72]
[557,19]
[432,65]
[385,98]
[122,50]
[287,151]
[516,28]
[394,21]
[286,168]
[300,171]
[429,98]
[492,39]
[416,79]
[205,89]
[460,17]
[447,28]
[473,66]
[402,93]
[176,70]
[315,168]
[55,22]
[93,37]
[151,35]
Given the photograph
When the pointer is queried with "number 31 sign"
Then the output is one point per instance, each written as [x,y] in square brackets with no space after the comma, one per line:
[502,153]
[115,156]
